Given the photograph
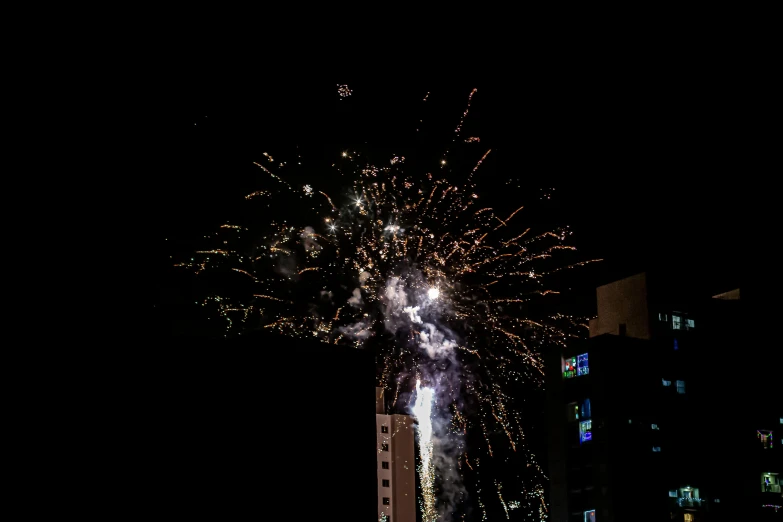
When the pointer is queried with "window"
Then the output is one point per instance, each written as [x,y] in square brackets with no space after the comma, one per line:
[688,517]
[663,317]
[656,449]
[385,464]
[579,410]
[385,483]
[590,516]
[770,483]
[666,383]
[690,323]
[384,429]
[766,438]
[673,493]
[585,431]
[386,501]
[676,325]
[655,426]
[575,366]
[384,447]
[681,387]
[676,346]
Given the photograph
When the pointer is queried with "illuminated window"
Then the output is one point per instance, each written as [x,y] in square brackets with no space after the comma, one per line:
[590,516]
[680,386]
[676,346]
[575,366]
[579,410]
[656,449]
[655,427]
[673,493]
[765,436]
[386,501]
[385,483]
[663,317]
[770,483]
[666,383]
[676,324]
[385,465]
[384,429]
[384,447]
[688,517]
[690,323]
[585,431]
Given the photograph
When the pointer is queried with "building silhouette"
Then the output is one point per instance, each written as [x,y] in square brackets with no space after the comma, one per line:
[258,426]
[666,412]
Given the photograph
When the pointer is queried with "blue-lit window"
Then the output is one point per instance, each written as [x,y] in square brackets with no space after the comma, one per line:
[575,366]
[676,346]
[666,383]
[680,386]
[656,449]
[585,431]
[579,410]
[590,516]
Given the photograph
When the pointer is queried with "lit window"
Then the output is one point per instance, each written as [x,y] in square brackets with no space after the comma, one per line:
[384,429]
[717,501]
[655,426]
[384,447]
[766,438]
[676,346]
[579,410]
[675,322]
[656,449]
[666,383]
[575,366]
[770,483]
[590,516]
[385,464]
[690,323]
[688,517]
[673,493]
[585,431]
[385,483]
[680,386]
[663,317]
[386,501]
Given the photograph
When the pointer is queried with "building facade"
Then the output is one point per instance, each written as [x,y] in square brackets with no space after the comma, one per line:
[396,464]
[664,413]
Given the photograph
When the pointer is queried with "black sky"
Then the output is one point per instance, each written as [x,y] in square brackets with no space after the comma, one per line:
[646,169]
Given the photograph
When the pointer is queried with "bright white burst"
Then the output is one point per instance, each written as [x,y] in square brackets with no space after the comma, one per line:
[433,293]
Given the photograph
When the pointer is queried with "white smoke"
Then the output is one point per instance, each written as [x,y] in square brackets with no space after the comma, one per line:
[411,303]
[356,299]
[358,331]
[435,343]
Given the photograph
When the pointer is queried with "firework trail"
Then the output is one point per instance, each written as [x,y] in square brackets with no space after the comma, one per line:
[422,410]
[445,291]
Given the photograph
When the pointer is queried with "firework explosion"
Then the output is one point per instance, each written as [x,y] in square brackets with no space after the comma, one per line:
[443,289]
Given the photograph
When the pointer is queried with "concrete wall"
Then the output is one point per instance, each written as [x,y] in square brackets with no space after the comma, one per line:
[402,467]
[622,302]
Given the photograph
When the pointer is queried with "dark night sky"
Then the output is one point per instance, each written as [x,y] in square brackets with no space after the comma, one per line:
[645,167]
